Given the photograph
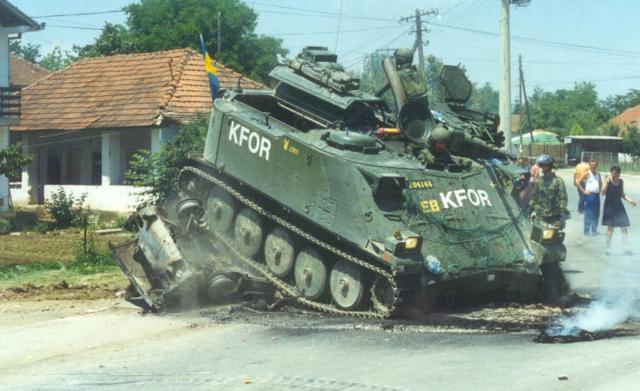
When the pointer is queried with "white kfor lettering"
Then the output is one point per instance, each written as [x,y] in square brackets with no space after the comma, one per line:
[233,132]
[265,147]
[244,135]
[256,143]
[461,195]
[446,200]
[456,198]
[484,198]
[473,197]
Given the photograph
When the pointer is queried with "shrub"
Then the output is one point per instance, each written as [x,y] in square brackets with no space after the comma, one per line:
[41,227]
[5,226]
[159,171]
[66,209]
[90,258]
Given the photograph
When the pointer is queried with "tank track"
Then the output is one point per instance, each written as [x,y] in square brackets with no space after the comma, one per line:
[380,310]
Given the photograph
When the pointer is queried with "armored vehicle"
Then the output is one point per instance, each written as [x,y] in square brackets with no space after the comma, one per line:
[319,189]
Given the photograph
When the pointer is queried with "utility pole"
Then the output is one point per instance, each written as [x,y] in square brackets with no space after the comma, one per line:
[505,70]
[520,150]
[505,67]
[219,52]
[419,29]
[523,93]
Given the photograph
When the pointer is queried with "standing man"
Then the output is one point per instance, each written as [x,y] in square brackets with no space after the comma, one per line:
[589,185]
[581,170]
[549,194]
[414,85]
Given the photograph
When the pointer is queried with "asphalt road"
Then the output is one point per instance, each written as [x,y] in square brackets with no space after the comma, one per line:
[109,345]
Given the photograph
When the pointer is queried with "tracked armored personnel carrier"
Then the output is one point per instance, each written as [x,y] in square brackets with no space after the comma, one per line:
[317,188]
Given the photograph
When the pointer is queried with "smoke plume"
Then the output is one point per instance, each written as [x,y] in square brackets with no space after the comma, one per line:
[616,299]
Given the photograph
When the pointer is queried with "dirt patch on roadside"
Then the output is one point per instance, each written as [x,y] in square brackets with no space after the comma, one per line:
[58,291]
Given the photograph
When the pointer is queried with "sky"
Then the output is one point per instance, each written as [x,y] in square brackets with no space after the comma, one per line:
[561,41]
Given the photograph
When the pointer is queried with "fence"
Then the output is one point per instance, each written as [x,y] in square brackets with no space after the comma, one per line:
[556,151]
[61,247]
[605,159]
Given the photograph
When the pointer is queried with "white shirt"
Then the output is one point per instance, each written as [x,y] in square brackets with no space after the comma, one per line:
[592,183]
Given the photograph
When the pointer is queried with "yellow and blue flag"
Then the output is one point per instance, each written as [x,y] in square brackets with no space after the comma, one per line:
[214,83]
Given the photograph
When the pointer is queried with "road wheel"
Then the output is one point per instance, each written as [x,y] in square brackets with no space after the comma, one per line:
[219,210]
[346,284]
[248,232]
[311,273]
[279,253]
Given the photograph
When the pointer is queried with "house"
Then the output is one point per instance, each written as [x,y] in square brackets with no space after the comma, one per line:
[84,123]
[543,142]
[13,22]
[629,117]
[605,149]
[24,73]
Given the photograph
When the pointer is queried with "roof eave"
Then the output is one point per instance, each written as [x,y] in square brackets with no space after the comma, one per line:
[27,23]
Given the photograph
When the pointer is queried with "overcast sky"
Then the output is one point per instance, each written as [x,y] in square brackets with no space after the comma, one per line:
[602,35]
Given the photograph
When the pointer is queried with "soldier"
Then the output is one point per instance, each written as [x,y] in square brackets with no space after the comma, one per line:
[549,194]
[438,147]
[414,85]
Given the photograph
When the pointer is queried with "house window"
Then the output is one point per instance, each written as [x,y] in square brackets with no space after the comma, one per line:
[96,168]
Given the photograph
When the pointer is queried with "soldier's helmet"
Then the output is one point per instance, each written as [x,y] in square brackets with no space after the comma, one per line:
[403,56]
[544,160]
[439,133]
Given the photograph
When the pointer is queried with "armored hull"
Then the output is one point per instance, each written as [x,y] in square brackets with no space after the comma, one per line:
[300,186]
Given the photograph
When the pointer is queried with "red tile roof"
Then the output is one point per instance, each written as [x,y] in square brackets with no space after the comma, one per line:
[24,72]
[132,90]
[630,116]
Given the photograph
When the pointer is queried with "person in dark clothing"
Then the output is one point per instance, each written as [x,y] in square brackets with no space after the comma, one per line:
[614,214]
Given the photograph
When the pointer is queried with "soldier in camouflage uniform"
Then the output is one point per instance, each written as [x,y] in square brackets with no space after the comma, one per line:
[549,194]
[414,84]
[437,150]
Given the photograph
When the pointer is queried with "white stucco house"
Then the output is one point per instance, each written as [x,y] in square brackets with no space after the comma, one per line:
[13,23]
[84,123]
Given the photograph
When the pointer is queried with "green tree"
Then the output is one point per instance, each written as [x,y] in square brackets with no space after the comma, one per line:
[484,99]
[154,25]
[631,142]
[568,108]
[159,171]
[56,59]
[114,39]
[616,104]
[12,159]
[29,51]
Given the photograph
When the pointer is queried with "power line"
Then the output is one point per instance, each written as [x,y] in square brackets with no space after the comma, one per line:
[558,44]
[78,14]
[74,27]
[329,32]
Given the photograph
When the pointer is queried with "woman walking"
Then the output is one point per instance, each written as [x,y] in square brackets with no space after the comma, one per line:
[614,214]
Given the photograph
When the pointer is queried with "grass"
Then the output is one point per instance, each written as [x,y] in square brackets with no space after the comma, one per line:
[96,268]
[48,273]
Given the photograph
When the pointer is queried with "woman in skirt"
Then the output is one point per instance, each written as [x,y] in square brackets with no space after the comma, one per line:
[614,214]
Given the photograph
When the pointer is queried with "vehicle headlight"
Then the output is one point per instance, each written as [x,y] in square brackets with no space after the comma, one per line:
[403,242]
[548,234]
[529,257]
[411,243]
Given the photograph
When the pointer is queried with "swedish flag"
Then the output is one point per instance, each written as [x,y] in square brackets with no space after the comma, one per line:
[214,83]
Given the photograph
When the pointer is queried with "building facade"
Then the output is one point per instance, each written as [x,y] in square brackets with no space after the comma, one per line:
[13,23]
[83,124]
